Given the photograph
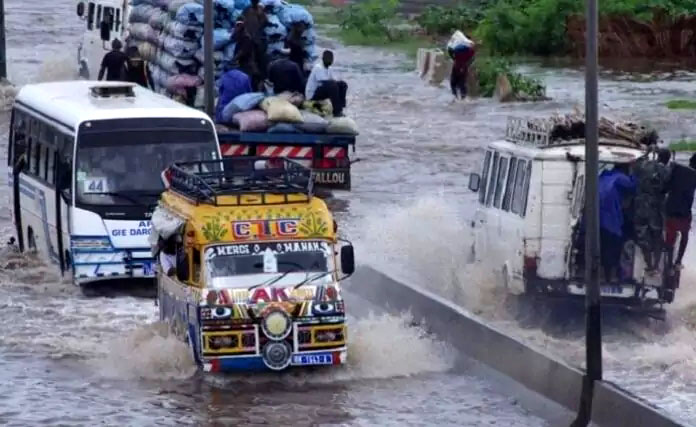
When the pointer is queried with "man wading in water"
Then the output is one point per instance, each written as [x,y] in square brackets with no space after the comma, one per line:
[114,63]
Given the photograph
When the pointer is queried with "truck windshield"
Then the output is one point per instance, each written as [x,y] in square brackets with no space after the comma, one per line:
[123,167]
[228,262]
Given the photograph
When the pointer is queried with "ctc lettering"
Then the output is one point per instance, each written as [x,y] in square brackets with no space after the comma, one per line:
[264,229]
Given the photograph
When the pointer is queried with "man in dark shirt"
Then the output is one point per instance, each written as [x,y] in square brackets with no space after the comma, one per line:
[295,44]
[286,76]
[245,54]
[114,63]
[255,21]
[680,198]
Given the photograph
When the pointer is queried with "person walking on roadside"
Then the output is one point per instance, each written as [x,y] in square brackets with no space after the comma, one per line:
[137,70]
[680,199]
[114,63]
[651,180]
[322,84]
[614,186]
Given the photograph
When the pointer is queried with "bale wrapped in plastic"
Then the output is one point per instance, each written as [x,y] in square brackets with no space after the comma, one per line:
[182,83]
[244,102]
[312,123]
[159,77]
[459,42]
[175,5]
[323,108]
[142,32]
[284,128]
[180,48]
[251,121]
[184,32]
[141,14]
[271,3]
[223,14]
[241,4]
[342,125]
[147,50]
[281,110]
[159,19]
[190,14]
[274,29]
[221,38]
[176,65]
[218,56]
[292,13]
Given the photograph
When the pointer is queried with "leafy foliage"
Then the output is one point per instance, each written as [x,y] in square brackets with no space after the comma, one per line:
[538,27]
[371,18]
[213,230]
[488,69]
[438,20]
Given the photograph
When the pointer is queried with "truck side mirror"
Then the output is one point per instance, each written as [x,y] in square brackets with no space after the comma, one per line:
[105,30]
[474,182]
[347,260]
[81,9]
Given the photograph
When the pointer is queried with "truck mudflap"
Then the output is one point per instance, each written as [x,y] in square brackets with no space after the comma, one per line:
[327,155]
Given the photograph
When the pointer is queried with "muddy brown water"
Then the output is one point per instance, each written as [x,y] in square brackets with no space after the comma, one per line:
[69,359]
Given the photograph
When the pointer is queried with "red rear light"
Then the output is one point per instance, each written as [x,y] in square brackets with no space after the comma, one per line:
[324,163]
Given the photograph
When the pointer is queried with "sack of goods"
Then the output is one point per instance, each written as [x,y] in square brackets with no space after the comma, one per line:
[459,42]
[280,109]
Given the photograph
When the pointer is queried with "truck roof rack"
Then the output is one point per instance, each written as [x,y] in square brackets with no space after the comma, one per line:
[206,181]
[570,129]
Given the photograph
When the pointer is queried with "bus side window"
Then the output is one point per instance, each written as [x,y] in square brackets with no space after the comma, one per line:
[19,136]
[525,190]
[502,170]
[109,17]
[507,199]
[43,162]
[90,16]
[51,166]
[494,175]
[99,16]
[518,198]
[117,24]
[484,177]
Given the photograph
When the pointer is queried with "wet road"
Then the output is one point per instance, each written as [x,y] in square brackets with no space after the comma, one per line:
[91,359]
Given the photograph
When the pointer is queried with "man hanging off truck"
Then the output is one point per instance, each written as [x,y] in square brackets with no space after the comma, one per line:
[651,178]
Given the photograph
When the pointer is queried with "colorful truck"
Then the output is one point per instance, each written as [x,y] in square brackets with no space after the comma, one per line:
[255,283]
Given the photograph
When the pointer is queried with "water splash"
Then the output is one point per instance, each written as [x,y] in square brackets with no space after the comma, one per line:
[148,352]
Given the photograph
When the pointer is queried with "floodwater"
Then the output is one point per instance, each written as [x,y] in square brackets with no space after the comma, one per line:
[89,360]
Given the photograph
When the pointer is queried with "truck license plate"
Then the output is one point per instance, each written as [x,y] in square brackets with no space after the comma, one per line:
[312,359]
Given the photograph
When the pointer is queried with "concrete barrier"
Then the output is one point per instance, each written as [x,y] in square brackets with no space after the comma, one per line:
[535,370]
[433,66]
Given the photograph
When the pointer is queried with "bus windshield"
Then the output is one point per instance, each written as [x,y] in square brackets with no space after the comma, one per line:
[227,264]
[124,167]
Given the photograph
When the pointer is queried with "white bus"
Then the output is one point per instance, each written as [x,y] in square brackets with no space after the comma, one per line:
[104,21]
[85,162]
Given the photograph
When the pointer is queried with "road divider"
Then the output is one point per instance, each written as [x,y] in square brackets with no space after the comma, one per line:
[537,371]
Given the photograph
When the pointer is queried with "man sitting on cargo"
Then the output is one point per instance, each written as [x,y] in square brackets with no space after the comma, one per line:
[651,179]
[285,76]
[680,198]
[323,85]
[614,185]
[232,84]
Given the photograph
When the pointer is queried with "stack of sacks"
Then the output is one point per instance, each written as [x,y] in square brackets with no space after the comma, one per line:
[254,112]
[288,14]
[169,35]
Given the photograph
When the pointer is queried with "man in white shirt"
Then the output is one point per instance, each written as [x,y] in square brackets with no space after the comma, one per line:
[322,84]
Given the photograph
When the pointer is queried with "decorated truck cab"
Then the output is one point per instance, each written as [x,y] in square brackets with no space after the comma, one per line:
[253,280]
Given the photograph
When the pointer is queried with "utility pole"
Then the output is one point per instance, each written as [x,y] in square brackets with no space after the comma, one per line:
[593,316]
[209,71]
[3,48]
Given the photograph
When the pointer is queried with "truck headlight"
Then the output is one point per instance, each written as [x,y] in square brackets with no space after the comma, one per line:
[276,325]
